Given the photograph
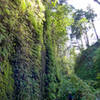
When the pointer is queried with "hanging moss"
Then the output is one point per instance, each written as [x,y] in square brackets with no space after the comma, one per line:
[50,81]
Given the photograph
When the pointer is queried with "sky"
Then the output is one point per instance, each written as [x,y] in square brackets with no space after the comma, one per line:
[82,4]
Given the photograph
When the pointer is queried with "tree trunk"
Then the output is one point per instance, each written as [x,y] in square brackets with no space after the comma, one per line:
[87,40]
[95,31]
[78,44]
[81,43]
[97,1]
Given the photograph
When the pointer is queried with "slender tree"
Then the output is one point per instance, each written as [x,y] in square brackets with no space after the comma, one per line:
[90,15]
[79,27]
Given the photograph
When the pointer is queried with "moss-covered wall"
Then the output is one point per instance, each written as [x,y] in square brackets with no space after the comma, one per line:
[50,72]
[25,38]
[20,49]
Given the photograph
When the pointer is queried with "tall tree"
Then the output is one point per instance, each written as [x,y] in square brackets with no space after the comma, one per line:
[90,15]
[79,26]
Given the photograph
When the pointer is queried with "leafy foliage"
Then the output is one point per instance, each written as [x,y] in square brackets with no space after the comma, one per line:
[89,71]
[20,49]
[32,65]
[79,89]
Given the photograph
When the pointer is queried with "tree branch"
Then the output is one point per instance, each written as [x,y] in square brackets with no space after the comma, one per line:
[97,1]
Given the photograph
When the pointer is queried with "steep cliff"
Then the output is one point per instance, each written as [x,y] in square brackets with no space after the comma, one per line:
[20,49]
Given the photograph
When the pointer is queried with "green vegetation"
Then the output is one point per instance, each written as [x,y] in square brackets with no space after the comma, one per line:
[89,70]
[78,88]
[35,60]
